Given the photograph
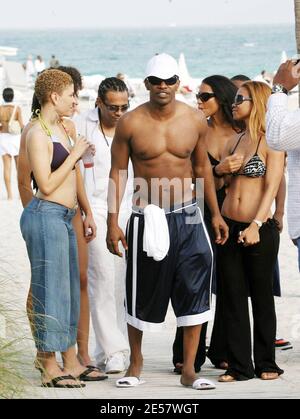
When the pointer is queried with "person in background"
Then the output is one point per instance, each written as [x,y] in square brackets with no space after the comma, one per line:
[54,63]
[283,133]
[124,78]
[267,77]
[264,77]
[106,272]
[239,79]
[9,139]
[39,65]
[30,70]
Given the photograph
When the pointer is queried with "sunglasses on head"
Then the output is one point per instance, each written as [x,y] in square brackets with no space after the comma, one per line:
[239,99]
[156,81]
[205,96]
[116,108]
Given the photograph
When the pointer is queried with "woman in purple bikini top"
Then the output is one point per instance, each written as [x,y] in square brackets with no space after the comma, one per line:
[60,153]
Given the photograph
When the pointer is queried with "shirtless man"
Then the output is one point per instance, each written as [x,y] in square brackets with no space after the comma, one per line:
[165,140]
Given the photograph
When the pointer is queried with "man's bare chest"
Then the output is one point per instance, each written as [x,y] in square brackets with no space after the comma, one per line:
[156,140]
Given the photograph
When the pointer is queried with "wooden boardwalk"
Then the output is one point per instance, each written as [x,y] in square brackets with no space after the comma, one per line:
[161,382]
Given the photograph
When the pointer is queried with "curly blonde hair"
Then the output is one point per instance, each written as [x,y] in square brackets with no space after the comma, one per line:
[51,81]
[260,93]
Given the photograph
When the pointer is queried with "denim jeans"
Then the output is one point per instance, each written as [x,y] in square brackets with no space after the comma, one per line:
[52,249]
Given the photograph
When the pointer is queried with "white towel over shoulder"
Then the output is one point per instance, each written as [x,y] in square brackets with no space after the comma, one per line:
[156,240]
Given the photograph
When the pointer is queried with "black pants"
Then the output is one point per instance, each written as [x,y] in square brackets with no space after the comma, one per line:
[217,352]
[247,271]
[178,348]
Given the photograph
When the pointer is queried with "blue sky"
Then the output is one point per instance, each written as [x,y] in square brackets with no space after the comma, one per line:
[36,14]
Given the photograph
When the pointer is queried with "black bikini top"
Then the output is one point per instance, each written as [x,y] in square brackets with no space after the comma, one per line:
[255,167]
[213,161]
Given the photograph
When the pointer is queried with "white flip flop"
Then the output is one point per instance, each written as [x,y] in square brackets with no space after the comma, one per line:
[129,382]
[203,384]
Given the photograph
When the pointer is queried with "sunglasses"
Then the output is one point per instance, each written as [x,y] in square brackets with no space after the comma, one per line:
[156,81]
[239,99]
[205,96]
[116,108]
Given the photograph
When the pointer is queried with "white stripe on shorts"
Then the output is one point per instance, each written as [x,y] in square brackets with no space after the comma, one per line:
[195,319]
[144,326]
[134,263]
[212,256]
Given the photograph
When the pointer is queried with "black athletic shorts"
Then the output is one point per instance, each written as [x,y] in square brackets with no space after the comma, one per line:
[184,276]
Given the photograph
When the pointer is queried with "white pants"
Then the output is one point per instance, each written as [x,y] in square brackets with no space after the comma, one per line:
[106,279]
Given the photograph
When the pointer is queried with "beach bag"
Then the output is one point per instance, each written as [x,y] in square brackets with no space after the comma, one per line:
[13,125]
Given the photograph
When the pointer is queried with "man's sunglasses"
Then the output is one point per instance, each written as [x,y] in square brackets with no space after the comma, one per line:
[239,99]
[205,96]
[116,108]
[156,81]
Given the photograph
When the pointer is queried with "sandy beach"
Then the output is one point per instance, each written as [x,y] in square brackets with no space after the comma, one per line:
[161,382]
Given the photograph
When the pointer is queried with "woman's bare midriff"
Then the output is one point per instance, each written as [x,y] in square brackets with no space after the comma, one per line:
[243,198]
[64,195]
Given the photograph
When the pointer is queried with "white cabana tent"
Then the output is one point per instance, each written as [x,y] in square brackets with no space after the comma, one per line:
[184,74]
[8,51]
[283,57]
[14,75]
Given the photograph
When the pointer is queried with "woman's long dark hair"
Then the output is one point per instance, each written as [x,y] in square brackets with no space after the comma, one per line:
[225,92]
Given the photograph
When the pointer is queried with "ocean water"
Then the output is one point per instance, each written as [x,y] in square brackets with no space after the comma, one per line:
[224,50]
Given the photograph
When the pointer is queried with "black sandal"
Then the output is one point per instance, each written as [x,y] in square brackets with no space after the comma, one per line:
[94,368]
[54,383]
[84,376]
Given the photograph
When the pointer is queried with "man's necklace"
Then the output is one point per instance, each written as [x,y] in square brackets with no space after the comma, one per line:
[101,127]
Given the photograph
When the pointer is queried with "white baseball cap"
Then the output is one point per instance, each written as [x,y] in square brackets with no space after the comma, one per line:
[162,66]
